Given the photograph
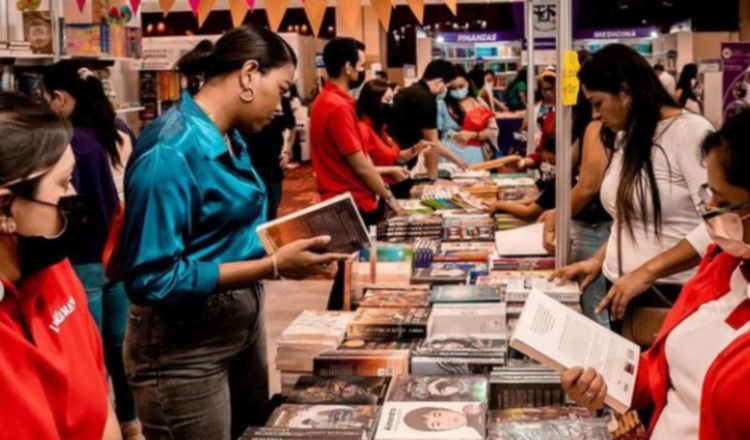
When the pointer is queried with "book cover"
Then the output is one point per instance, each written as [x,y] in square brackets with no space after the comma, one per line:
[389,323]
[462,346]
[467,294]
[571,429]
[455,365]
[561,338]
[317,325]
[350,390]
[387,363]
[432,421]
[395,298]
[270,433]
[421,388]
[440,276]
[324,417]
[367,345]
[517,288]
[337,217]
[37,30]
[468,319]
[497,417]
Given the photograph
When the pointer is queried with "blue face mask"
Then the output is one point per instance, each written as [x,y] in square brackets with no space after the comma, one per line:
[460,94]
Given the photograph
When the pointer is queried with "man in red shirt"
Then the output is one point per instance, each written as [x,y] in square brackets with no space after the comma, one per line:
[339,156]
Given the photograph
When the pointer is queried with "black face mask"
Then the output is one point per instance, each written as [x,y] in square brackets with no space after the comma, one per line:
[38,252]
[357,83]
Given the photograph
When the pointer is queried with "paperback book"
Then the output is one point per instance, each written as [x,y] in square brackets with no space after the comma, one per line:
[349,390]
[421,388]
[432,421]
[440,276]
[362,363]
[485,321]
[324,417]
[466,294]
[396,298]
[366,345]
[389,323]
[270,433]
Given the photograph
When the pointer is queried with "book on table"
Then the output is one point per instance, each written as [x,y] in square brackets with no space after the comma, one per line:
[553,334]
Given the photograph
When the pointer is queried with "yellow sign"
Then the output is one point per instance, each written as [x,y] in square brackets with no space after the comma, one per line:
[570,83]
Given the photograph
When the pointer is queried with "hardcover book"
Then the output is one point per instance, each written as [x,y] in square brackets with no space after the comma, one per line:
[462,346]
[421,388]
[324,417]
[389,323]
[350,390]
[366,345]
[432,421]
[372,363]
[455,365]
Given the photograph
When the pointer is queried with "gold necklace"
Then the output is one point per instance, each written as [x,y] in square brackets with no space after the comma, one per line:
[227,140]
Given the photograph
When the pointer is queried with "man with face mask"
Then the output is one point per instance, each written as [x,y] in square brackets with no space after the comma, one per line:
[338,155]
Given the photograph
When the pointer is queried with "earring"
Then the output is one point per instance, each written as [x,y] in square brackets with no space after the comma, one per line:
[245,98]
[8,225]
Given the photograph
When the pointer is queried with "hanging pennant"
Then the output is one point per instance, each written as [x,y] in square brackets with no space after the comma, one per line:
[383,9]
[275,10]
[349,11]
[81,4]
[238,8]
[203,10]
[251,5]
[316,11]
[452,5]
[417,7]
[134,5]
[194,5]
[166,6]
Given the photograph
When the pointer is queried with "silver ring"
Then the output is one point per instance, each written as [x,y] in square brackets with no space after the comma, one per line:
[591,396]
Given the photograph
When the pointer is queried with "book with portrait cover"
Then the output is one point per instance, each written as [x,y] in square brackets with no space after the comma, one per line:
[389,323]
[337,217]
[350,390]
[437,365]
[37,30]
[462,346]
[396,298]
[428,388]
[467,294]
[432,421]
[270,433]
[324,417]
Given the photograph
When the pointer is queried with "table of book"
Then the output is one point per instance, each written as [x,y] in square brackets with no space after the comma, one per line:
[424,352]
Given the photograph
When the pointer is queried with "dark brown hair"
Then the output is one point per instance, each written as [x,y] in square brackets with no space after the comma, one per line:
[370,103]
[730,144]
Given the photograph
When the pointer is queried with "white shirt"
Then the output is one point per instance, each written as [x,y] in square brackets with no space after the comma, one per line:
[680,171]
[669,82]
[691,348]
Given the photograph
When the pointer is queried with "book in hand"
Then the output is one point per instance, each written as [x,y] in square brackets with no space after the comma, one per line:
[337,217]
[270,433]
[389,323]
[561,338]
[466,294]
[429,388]
[349,390]
[432,421]
[324,417]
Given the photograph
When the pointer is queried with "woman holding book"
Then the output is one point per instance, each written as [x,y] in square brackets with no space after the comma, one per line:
[195,349]
[695,378]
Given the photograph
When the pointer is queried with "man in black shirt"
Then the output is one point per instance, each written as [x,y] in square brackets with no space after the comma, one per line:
[414,115]
[271,150]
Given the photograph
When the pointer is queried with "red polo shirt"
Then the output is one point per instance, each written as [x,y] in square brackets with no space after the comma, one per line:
[52,373]
[335,135]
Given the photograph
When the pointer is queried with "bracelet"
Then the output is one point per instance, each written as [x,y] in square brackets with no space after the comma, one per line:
[275,265]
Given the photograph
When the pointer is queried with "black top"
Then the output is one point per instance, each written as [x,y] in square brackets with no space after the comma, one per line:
[265,146]
[592,213]
[415,109]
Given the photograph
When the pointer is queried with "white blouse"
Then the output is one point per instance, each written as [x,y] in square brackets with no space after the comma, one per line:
[680,171]
[691,348]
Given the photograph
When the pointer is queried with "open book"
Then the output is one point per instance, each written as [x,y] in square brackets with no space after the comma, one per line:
[521,242]
[337,217]
[561,338]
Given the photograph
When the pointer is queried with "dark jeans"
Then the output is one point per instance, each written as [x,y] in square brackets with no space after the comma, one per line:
[336,298]
[274,190]
[199,371]
[108,304]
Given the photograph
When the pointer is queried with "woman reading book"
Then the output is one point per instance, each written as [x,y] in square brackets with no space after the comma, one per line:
[195,349]
[695,379]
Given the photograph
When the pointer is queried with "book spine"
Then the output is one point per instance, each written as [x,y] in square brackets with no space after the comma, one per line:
[387,331]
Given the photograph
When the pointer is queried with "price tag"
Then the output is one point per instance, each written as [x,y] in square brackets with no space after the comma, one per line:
[570,83]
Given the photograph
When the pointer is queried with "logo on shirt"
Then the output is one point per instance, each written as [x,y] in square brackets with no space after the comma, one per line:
[62,314]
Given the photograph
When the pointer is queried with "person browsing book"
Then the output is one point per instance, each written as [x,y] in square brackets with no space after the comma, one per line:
[695,379]
[195,348]
[51,359]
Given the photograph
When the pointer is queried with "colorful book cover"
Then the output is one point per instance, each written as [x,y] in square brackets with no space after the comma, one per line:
[351,390]
[366,345]
[462,345]
[395,298]
[389,323]
[420,388]
[324,416]
[384,364]
[432,421]
[466,294]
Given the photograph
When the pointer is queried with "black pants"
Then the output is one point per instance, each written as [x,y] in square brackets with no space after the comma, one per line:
[336,298]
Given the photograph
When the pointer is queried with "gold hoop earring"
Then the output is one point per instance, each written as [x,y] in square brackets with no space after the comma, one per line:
[247,99]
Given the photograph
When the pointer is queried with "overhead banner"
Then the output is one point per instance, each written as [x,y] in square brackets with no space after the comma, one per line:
[166,6]
[134,5]
[383,9]
[417,7]
[316,11]
[194,4]
[452,5]
[275,10]
[203,10]
[735,60]
[238,8]
[349,11]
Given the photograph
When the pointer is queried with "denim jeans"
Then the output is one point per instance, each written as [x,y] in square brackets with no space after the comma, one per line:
[586,239]
[108,304]
[200,370]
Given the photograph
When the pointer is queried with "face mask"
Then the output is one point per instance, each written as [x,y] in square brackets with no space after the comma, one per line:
[39,252]
[357,83]
[460,94]
[727,232]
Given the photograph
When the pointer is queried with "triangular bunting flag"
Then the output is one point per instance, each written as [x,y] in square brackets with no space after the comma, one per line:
[251,5]
[383,9]
[194,5]
[81,4]
[316,11]
[238,8]
[417,7]
[452,5]
[203,10]
[166,6]
[349,11]
[134,5]
[275,10]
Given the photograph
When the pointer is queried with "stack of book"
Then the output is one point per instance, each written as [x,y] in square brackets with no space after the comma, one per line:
[266,433]
[510,189]
[310,334]
[424,251]
[414,207]
[450,198]
[400,228]
[389,323]
[396,297]
[366,357]
[506,222]
[351,418]
[468,227]
[503,264]
[19,48]
[441,275]
[525,383]
[552,423]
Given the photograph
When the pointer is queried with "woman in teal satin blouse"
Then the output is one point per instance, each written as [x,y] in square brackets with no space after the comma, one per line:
[195,349]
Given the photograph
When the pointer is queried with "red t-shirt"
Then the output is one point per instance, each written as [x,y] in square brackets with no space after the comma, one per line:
[54,387]
[335,135]
[383,150]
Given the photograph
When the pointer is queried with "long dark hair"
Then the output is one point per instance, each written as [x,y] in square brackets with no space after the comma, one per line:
[33,138]
[233,50]
[92,109]
[453,104]
[370,103]
[614,69]
[685,83]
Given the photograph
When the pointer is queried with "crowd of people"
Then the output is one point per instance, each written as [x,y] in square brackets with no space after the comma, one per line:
[660,200]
